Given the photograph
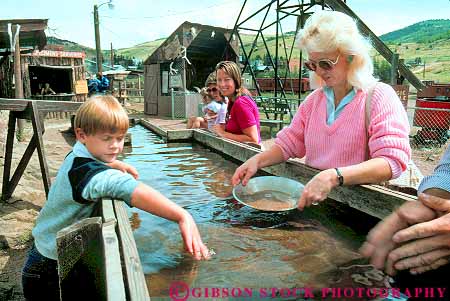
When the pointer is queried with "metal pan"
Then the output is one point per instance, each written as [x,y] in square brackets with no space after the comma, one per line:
[269,193]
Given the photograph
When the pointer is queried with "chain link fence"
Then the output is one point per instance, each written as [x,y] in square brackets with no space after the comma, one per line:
[429,126]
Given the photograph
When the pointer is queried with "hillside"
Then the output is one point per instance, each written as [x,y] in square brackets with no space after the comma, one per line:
[141,51]
[424,42]
[71,46]
[422,32]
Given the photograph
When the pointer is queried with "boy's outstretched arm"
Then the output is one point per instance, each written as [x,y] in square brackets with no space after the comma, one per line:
[146,198]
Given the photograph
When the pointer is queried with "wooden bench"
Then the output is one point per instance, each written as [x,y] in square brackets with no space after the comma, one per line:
[271,124]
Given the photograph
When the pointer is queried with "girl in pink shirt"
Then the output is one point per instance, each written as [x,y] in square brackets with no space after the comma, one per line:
[329,128]
[243,115]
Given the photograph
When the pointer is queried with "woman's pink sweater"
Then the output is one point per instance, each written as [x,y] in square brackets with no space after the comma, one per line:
[344,142]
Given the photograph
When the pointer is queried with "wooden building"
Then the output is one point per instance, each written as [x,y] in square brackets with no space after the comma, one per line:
[64,71]
[183,62]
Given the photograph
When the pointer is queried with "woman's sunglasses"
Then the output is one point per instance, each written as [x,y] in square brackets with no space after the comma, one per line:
[324,64]
[209,90]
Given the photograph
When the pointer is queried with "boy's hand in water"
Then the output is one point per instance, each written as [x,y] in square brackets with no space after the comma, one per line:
[191,238]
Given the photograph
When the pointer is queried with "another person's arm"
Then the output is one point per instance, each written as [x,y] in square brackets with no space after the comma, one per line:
[379,242]
[424,245]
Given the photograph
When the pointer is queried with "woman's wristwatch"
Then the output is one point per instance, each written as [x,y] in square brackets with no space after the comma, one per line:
[340,177]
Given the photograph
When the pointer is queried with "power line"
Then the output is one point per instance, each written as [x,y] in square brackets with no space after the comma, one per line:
[200,11]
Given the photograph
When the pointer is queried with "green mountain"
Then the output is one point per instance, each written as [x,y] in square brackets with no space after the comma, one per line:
[71,46]
[424,45]
[422,32]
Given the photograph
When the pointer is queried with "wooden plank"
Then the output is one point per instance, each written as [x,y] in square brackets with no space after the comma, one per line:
[115,289]
[179,135]
[80,265]
[108,211]
[371,199]
[135,279]
[11,104]
[8,156]
[43,105]
[21,166]
[155,129]
[72,243]
[38,130]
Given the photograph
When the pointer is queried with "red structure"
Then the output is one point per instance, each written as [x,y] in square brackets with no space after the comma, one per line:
[435,123]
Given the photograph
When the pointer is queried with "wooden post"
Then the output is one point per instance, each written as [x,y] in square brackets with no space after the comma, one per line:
[139,84]
[394,68]
[38,129]
[18,80]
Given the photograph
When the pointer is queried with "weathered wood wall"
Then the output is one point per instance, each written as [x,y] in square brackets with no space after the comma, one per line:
[78,71]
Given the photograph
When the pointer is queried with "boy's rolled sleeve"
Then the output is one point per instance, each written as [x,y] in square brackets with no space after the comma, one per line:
[111,183]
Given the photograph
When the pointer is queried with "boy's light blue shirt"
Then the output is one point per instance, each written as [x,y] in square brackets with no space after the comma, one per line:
[332,112]
[61,210]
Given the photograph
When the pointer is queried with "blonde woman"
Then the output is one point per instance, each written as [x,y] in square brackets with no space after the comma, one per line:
[329,127]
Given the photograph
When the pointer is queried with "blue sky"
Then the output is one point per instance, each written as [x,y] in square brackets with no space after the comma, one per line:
[131,22]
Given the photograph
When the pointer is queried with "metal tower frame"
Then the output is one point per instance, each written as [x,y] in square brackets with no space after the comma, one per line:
[301,10]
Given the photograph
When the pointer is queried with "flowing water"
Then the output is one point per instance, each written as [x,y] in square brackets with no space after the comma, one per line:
[254,250]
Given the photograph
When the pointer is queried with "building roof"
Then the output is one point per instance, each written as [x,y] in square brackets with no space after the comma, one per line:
[198,39]
[31,33]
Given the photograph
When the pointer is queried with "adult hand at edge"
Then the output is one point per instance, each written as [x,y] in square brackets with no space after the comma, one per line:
[244,172]
[379,241]
[437,226]
[427,244]
[423,254]
[318,188]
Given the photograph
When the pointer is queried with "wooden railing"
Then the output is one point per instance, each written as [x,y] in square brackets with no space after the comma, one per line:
[101,250]
[32,110]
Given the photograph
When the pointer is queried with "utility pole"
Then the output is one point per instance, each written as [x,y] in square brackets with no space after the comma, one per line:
[112,58]
[97,39]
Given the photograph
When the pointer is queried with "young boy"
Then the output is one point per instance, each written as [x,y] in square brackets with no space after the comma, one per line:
[100,127]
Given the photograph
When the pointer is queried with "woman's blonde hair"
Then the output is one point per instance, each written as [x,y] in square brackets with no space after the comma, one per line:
[232,69]
[101,114]
[329,31]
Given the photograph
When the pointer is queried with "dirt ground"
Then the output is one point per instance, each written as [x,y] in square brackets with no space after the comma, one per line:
[18,214]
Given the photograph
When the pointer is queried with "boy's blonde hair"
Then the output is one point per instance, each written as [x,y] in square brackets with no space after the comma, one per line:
[101,114]
[329,31]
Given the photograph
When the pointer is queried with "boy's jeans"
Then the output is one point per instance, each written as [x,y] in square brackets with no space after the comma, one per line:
[40,277]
